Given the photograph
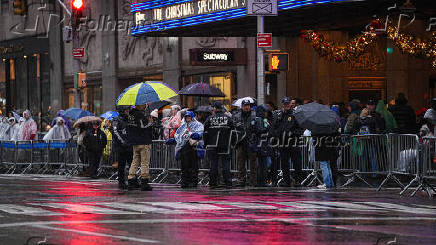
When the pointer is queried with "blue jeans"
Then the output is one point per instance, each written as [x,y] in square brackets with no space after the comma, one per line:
[326,174]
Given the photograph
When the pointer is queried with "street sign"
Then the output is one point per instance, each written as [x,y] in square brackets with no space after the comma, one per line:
[262,7]
[79,52]
[264,40]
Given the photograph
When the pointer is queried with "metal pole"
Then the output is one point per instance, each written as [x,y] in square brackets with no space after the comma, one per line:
[260,65]
[76,66]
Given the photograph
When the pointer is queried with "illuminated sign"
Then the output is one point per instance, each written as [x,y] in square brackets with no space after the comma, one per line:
[185,9]
[278,62]
[161,15]
[218,57]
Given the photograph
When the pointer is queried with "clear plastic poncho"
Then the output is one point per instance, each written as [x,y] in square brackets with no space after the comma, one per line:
[184,132]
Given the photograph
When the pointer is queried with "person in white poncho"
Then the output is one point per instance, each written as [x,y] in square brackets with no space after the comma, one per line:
[59,131]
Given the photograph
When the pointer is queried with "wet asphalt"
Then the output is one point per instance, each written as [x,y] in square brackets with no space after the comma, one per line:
[59,210]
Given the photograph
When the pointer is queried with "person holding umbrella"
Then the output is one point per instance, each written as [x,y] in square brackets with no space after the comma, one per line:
[140,135]
[121,146]
[94,141]
[139,127]
[323,124]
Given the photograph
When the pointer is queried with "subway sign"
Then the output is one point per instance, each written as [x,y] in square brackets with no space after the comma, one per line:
[218,57]
[161,15]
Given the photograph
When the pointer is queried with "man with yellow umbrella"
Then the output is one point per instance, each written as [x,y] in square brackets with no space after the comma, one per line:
[139,128]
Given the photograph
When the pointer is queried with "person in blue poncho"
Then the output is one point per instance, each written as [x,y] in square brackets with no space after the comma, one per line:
[189,149]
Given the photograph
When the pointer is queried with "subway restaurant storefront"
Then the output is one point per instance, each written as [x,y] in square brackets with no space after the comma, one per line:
[337,50]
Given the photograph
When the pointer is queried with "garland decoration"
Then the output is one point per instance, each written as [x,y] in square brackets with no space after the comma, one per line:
[413,46]
[350,51]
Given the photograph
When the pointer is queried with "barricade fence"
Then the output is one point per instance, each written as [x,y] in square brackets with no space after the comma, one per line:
[361,158]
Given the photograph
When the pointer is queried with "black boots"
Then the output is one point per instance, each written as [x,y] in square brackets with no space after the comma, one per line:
[145,186]
[132,184]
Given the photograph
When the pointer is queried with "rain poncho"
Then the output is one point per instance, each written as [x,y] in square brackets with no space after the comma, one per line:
[391,124]
[58,132]
[67,122]
[13,132]
[183,133]
[29,128]
[106,130]
[171,124]
[4,127]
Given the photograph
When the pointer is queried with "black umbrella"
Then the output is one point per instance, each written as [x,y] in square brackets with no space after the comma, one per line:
[201,90]
[158,105]
[319,119]
[204,108]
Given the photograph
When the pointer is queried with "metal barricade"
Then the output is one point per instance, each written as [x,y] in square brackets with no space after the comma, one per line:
[57,157]
[8,156]
[425,168]
[107,159]
[403,157]
[308,161]
[368,157]
[158,160]
[78,158]
[23,156]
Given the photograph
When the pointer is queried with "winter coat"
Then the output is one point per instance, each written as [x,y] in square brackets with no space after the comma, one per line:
[286,128]
[218,132]
[326,147]
[260,132]
[405,117]
[241,121]
[120,139]
[95,141]
[351,126]
[140,128]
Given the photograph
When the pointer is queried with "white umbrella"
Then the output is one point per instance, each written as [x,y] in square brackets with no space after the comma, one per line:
[238,102]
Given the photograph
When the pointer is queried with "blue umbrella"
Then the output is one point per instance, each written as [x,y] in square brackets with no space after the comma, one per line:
[76,113]
[109,115]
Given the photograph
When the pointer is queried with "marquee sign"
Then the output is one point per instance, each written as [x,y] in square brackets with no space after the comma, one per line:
[161,15]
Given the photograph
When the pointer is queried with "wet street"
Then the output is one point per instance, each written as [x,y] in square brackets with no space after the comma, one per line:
[58,210]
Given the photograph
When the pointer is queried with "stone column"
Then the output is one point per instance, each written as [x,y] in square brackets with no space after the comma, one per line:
[56,47]
[109,53]
[246,77]
[172,59]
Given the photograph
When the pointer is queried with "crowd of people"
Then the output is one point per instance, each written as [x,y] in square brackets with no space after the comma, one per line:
[214,134]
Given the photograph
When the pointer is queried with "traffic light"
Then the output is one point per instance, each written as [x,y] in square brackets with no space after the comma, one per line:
[278,62]
[78,6]
[20,7]
[81,80]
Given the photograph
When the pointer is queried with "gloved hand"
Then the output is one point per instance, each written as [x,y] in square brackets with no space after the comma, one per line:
[170,141]
[195,136]
[201,152]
